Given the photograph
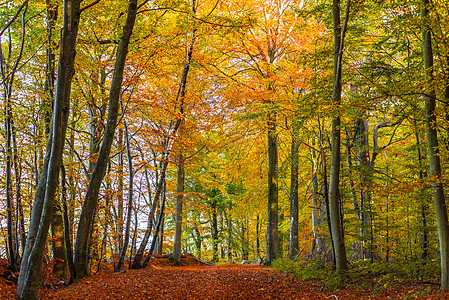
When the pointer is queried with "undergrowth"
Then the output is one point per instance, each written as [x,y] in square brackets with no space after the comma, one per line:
[363,274]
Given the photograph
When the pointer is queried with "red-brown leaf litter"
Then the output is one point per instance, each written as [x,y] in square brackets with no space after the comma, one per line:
[198,280]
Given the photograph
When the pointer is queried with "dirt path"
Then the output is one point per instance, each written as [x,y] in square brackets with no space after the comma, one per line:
[199,282]
[162,281]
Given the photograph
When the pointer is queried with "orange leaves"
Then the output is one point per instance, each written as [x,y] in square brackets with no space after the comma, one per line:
[192,281]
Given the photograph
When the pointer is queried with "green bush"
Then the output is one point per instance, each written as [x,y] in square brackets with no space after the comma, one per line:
[362,274]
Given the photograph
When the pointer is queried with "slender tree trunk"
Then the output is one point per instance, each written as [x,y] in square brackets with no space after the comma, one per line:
[318,244]
[363,165]
[229,233]
[180,177]
[8,71]
[167,150]
[294,207]
[139,254]
[160,237]
[67,234]
[18,172]
[130,203]
[422,196]
[59,266]
[157,229]
[334,201]
[272,219]
[257,239]
[93,189]
[214,230]
[325,188]
[432,143]
[198,240]
[31,268]
[179,201]
[12,255]
[119,218]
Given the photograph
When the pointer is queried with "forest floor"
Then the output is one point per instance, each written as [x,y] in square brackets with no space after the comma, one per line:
[196,280]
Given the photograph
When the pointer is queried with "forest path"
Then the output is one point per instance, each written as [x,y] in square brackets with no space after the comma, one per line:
[193,282]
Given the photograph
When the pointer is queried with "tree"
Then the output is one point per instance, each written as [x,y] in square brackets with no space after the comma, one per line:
[90,202]
[334,194]
[433,150]
[31,267]
[8,73]
[130,203]
[181,172]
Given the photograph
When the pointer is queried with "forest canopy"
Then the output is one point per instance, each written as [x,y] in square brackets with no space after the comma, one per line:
[232,130]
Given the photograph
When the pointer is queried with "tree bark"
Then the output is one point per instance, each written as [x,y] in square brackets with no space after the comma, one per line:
[158,227]
[214,229]
[181,172]
[31,268]
[139,254]
[334,181]
[433,150]
[93,189]
[130,204]
[8,72]
[67,233]
[179,201]
[119,217]
[272,220]
[294,207]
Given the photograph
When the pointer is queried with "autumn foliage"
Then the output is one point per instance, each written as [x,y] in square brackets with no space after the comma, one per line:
[226,119]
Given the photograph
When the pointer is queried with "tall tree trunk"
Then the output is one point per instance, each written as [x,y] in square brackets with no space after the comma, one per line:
[18,171]
[130,203]
[97,111]
[12,255]
[8,72]
[318,210]
[272,219]
[119,217]
[432,143]
[229,233]
[59,266]
[158,227]
[257,238]
[334,181]
[67,233]
[93,189]
[136,264]
[325,187]
[294,207]
[214,230]
[423,206]
[179,201]
[363,165]
[168,147]
[30,272]
[180,185]
[160,236]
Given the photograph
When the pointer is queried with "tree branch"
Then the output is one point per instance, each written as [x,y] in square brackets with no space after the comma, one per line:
[14,17]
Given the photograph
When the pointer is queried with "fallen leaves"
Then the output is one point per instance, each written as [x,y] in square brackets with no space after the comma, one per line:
[220,282]
[215,282]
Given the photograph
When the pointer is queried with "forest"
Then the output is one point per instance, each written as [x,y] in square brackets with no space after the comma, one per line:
[280,133]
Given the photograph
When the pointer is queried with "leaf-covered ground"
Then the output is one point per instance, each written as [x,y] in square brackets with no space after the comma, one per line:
[160,281]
